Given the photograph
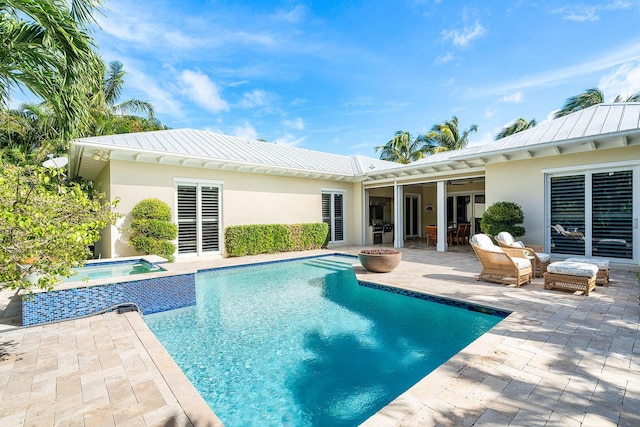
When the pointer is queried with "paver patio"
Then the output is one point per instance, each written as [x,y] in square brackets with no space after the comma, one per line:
[559,359]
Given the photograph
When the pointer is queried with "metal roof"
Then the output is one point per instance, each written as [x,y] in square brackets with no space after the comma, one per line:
[599,127]
[189,147]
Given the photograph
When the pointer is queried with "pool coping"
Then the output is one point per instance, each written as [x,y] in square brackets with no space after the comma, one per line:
[523,371]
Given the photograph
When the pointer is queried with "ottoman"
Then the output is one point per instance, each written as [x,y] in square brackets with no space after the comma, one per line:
[602,277]
[573,276]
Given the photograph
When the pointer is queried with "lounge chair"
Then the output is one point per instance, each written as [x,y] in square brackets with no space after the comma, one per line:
[575,234]
[541,260]
[510,266]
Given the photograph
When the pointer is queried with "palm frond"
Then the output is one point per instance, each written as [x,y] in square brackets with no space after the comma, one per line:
[588,98]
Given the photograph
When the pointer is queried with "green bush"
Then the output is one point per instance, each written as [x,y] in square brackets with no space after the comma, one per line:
[152,229]
[152,209]
[271,238]
[503,216]
[155,228]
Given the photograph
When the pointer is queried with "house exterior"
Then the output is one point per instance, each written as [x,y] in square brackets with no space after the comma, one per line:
[581,172]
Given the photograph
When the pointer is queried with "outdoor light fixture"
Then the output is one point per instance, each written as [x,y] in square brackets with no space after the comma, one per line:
[100,156]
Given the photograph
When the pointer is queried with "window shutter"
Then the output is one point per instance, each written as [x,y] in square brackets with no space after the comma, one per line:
[326,212]
[187,219]
[568,210]
[210,219]
[338,213]
[612,214]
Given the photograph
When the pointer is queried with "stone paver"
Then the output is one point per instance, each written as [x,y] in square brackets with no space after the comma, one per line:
[558,359]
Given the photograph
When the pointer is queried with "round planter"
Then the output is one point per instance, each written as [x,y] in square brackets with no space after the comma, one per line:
[380,260]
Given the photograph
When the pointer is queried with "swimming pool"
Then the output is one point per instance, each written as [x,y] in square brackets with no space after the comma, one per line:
[105,269]
[302,343]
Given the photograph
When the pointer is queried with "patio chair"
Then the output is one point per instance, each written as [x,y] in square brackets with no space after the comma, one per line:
[541,260]
[575,234]
[463,233]
[510,266]
[432,233]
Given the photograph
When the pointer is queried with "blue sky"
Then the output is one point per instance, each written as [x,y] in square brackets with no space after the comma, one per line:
[343,76]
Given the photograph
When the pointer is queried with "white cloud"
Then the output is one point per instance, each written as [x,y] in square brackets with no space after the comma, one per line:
[254,99]
[245,131]
[514,98]
[482,139]
[489,112]
[623,55]
[625,81]
[443,59]
[202,90]
[464,37]
[290,140]
[580,12]
[296,123]
[293,16]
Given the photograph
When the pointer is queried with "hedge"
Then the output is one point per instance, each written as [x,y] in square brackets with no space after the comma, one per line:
[255,239]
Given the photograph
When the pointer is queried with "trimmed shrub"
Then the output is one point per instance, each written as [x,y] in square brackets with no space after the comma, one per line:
[503,216]
[255,239]
[152,209]
[152,229]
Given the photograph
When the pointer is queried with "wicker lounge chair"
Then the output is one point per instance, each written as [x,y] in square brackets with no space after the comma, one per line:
[541,260]
[510,266]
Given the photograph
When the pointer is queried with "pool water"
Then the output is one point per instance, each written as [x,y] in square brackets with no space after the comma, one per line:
[112,269]
[302,343]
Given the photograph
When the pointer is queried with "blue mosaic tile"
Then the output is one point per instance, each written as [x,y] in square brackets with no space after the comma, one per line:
[440,300]
[151,295]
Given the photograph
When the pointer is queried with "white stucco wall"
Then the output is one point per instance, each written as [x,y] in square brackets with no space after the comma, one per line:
[523,182]
[246,198]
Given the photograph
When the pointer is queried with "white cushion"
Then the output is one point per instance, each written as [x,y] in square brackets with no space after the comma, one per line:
[573,268]
[522,263]
[484,242]
[518,244]
[601,263]
[506,238]
[544,258]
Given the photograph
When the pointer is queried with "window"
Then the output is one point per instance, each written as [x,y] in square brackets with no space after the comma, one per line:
[198,218]
[333,214]
[592,214]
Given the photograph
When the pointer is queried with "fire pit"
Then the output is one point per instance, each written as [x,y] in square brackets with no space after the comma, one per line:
[379,260]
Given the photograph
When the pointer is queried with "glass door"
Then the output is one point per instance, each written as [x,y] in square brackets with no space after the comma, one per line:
[412,215]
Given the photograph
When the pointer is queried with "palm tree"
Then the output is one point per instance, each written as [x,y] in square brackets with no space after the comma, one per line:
[45,46]
[589,98]
[403,149]
[518,126]
[112,117]
[446,136]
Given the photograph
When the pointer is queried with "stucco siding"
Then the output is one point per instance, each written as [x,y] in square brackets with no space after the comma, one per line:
[102,247]
[246,198]
[523,182]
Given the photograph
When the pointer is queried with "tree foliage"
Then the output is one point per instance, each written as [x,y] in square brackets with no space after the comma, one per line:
[447,136]
[588,98]
[517,126]
[46,47]
[503,216]
[402,148]
[46,225]
[152,228]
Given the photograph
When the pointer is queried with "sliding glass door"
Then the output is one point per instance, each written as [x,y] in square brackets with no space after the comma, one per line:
[592,213]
